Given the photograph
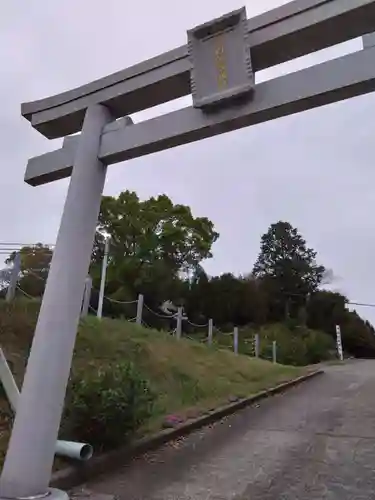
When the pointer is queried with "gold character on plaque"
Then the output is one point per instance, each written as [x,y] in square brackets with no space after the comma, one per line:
[220,65]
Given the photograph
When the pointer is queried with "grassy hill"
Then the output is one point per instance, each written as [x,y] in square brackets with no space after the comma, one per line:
[187,377]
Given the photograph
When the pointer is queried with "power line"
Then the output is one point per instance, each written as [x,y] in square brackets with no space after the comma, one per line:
[20,245]
[11,247]
[36,250]
[360,304]
[347,303]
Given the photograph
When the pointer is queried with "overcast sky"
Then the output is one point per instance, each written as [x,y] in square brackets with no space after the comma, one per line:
[315,170]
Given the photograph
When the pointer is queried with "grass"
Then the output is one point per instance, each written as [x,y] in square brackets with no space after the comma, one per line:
[189,378]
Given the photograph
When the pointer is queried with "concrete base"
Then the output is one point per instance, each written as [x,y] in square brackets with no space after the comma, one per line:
[83,493]
[55,494]
[76,494]
[51,494]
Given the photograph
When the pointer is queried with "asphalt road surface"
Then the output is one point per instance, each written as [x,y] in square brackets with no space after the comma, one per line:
[316,441]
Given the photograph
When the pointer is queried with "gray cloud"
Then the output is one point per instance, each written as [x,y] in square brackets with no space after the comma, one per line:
[314,169]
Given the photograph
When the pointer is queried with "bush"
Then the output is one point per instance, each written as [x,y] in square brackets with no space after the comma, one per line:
[296,345]
[319,347]
[17,323]
[105,407]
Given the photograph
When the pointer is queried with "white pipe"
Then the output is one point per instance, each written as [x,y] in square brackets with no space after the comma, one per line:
[9,384]
[99,312]
[77,451]
[71,449]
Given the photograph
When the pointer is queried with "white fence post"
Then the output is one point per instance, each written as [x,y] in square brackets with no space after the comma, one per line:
[11,292]
[86,297]
[235,340]
[103,278]
[339,343]
[179,323]
[256,345]
[210,331]
[139,309]
[274,351]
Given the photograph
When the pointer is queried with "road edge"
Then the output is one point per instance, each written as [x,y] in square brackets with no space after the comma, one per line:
[73,476]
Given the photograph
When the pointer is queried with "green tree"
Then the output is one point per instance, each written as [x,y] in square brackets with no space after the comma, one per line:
[153,244]
[357,337]
[35,264]
[228,300]
[287,269]
[325,310]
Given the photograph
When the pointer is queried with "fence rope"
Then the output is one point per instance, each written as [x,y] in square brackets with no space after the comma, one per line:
[35,275]
[128,302]
[25,293]
[250,341]
[196,325]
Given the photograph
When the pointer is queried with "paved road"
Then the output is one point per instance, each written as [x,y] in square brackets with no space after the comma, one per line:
[316,441]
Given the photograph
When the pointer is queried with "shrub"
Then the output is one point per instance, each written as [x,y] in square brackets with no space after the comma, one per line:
[17,322]
[319,347]
[296,345]
[105,407]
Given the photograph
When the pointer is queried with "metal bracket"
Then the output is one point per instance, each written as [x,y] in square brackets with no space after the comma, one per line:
[368,41]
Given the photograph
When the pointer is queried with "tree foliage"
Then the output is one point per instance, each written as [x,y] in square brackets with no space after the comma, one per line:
[152,241]
[287,268]
[35,262]
[158,249]
[146,232]
[285,259]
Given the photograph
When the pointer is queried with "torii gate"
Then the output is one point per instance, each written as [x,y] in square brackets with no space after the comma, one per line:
[217,66]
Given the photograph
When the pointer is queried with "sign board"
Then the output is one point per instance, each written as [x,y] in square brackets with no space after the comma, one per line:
[220,59]
[339,343]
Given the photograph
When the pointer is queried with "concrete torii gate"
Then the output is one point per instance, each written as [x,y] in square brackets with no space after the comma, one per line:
[217,66]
